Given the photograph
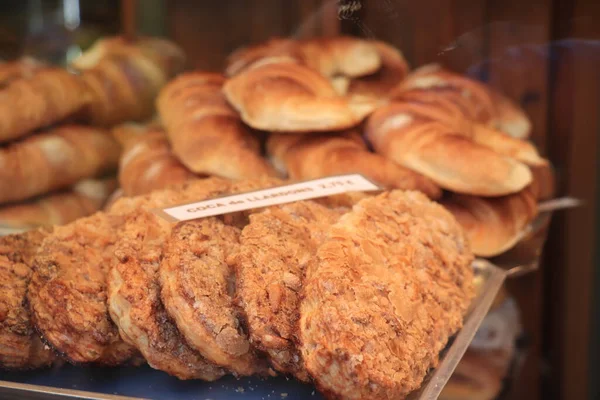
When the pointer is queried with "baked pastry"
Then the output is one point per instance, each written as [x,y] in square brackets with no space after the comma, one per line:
[24,67]
[147,162]
[393,284]
[331,56]
[20,346]
[493,225]
[281,96]
[83,199]
[123,78]
[134,290]
[49,96]
[425,105]
[485,105]
[67,292]
[304,157]
[277,248]
[380,83]
[450,159]
[207,135]
[55,159]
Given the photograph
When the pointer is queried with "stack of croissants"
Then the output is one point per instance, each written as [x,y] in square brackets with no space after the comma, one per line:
[298,109]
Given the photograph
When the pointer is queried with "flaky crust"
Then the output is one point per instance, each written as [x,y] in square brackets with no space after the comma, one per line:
[438,151]
[197,291]
[59,208]
[67,292]
[49,96]
[290,97]
[134,290]
[393,283]
[147,162]
[493,225]
[277,248]
[20,346]
[207,135]
[55,159]
[316,156]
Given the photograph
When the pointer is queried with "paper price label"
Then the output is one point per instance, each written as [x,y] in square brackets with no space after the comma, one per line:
[268,197]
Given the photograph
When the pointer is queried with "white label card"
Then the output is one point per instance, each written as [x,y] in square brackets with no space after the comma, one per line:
[268,197]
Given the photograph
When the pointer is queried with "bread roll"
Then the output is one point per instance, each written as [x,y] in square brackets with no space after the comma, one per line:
[493,225]
[49,96]
[379,84]
[289,97]
[207,135]
[147,162]
[484,104]
[316,156]
[24,67]
[450,159]
[85,198]
[123,78]
[55,159]
[331,56]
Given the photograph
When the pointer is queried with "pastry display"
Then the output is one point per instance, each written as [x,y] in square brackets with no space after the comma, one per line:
[357,293]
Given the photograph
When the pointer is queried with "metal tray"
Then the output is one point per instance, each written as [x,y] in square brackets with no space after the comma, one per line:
[143,382]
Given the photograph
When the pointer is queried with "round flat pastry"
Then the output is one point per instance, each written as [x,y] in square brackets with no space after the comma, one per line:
[134,291]
[20,346]
[393,283]
[277,248]
[198,286]
[134,288]
[67,292]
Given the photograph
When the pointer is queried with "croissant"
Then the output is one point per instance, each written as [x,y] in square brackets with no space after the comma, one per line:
[147,162]
[431,108]
[379,84]
[450,159]
[317,156]
[289,97]
[123,78]
[25,67]
[55,159]
[331,56]
[85,198]
[207,135]
[483,103]
[493,225]
[50,95]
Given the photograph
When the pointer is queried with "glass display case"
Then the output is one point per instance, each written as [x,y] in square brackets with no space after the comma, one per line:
[109,109]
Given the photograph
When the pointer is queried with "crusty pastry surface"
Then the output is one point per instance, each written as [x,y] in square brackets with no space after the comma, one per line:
[393,283]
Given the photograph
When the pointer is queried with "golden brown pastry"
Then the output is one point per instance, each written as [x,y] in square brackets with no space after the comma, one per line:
[331,56]
[85,198]
[305,157]
[426,106]
[49,96]
[67,292]
[123,78]
[277,248]
[438,151]
[493,225]
[484,104]
[393,283]
[379,84]
[20,345]
[147,162]
[24,67]
[289,97]
[207,135]
[55,159]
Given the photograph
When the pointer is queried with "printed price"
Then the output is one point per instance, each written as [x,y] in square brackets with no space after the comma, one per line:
[268,197]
